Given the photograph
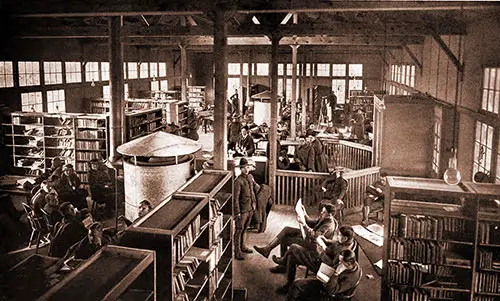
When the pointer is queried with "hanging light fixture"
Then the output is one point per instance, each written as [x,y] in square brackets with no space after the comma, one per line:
[452,175]
[92,84]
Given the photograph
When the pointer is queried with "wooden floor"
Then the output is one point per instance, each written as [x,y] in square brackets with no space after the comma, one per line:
[253,272]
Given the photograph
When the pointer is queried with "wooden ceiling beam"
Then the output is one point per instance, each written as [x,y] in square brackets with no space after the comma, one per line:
[68,8]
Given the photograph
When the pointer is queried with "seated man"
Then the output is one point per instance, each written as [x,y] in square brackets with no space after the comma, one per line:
[333,188]
[374,198]
[342,283]
[52,208]
[69,188]
[101,185]
[325,225]
[67,232]
[244,145]
[144,208]
[301,156]
[312,257]
[90,244]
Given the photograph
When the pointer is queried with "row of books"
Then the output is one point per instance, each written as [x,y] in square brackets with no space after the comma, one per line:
[87,156]
[216,277]
[92,123]
[217,249]
[90,134]
[215,205]
[487,282]
[183,241]
[66,153]
[138,121]
[91,145]
[489,233]
[486,261]
[183,272]
[404,273]
[484,298]
[431,252]
[217,224]
[19,120]
[408,295]
[419,226]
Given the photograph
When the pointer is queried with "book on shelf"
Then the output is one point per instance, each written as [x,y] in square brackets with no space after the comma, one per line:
[184,241]
[487,282]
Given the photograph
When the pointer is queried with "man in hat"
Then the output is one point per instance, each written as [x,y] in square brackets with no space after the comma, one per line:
[244,145]
[333,188]
[235,101]
[245,202]
[234,130]
[316,159]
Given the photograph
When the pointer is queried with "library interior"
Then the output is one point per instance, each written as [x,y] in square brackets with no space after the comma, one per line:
[250,150]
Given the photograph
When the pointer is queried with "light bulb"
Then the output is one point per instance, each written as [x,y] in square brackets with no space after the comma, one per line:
[92,84]
[452,174]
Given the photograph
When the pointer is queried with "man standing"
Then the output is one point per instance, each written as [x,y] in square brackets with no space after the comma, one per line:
[333,188]
[333,104]
[245,202]
[244,145]
[374,198]
[235,102]
[234,130]
[316,154]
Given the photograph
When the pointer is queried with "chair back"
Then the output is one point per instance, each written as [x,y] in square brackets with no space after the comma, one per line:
[347,296]
[36,223]
[46,218]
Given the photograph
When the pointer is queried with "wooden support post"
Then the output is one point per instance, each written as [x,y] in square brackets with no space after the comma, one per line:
[249,76]
[240,89]
[220,106]
[273,133]
[304,100]
[184,76]
[117,107]
[293,112]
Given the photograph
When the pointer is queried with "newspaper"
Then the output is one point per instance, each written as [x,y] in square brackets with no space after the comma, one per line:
[299,209]
[325,272]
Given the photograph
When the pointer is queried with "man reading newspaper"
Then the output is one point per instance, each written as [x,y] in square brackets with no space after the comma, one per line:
[304,236]
[331,283]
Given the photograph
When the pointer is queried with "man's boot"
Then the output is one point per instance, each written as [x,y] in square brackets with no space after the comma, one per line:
[237,246]
[244,247]
[264,251]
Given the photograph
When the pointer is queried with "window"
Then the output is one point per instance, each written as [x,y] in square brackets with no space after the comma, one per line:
[308,69]
[105,71]
[164,85]
[281,70]
[55,101]
[436,154]
[245,69]
[355,84]
[153,70]
[92,71]
[339,70]
[323,70]
[29,74]
[497,177]
[355,69]
[163,69]
[338,87]
[106,92]
[73,72]
[125,71]
[144,70]
[491,90]
[31,102]
[483,146]
[125,90]
[280,87]
[6,75]
[155,86]
[262,69]
[132,70]
[52,73]
[233,69]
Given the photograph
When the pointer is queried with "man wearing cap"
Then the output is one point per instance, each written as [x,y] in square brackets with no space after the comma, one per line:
[234,130]
[316,155]
[245,202]
[333,188]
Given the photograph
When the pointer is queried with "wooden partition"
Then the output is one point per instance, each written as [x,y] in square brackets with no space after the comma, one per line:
[292,185]
[348,154]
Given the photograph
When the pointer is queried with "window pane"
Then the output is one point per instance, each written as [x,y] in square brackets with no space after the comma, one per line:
[132,70]
[355,69]
[163,69]
[153,69]
[105,70]
[29,74]
[233,69]
[308,69]
[144,70]
[338,87]
[338,69]
[55,101]
[164,85]
[155,85]
[73,72]
[106,92]
[262,69]
[6,75]
[92,71]
[31,102]
[281,70]
[323,70]
[355,84]
[245,69]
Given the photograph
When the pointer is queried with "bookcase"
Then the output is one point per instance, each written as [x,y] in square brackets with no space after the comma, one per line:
[196,97]
[37,138]
[363,102]
[178,230]
[217,185]
[143,122]
[436,240]
[112,273]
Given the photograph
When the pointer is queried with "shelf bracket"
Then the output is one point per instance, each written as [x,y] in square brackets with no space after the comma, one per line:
[449,53]
[412,55]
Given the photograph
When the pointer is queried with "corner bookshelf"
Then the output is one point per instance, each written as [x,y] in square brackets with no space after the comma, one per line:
[178,230]
[196,97]
[143,122]
[217,185]
[429,240]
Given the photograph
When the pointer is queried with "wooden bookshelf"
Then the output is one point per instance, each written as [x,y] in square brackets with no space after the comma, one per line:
[196,97]
[112,273]
[143,122]
[429,240]
[178,230]
[217,185]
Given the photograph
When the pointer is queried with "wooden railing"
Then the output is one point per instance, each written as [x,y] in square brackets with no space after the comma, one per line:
[348,154]
[292,185]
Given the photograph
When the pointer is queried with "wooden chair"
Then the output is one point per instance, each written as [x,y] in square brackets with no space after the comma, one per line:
[37,224]
[48,223]
[347,296]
